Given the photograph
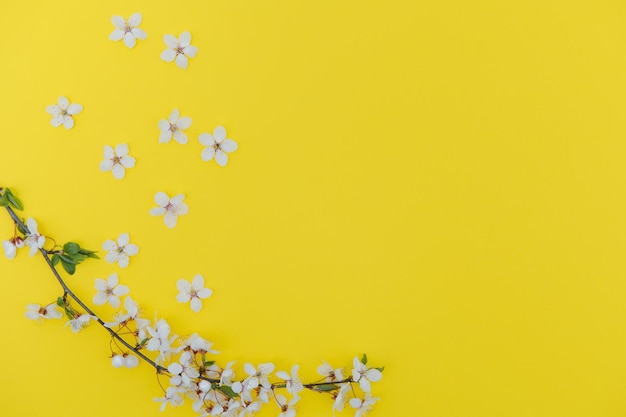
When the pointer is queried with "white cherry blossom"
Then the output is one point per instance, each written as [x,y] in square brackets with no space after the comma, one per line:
[217,146]
[38,312]
[109,291]
[258,377]
[173,127]
[11,246]
[193,291]
[62,112]
[117,160]
[293,383]
[33,239]
[364,375]
[182,374]
[329,372]
[363,406]
[179,49]
[160,339]
[127,30]
[132,314]
[172,396]
[127,360]
[120,251]
[341,397]
[287,409]
[171,208]
[80,321]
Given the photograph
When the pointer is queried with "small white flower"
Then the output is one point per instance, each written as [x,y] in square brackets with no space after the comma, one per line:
[171,208]
[330,373]
[127,30]
[172,396]
[109,291]
[293,383]
[11,246]
[287,409]
[193,291]
[62,113]
[198,344]
[80,321]
[37,312]
[120,251]
[363,406]
[259,377]
[127,360]
[179,49]
[33,239]
[364,375]
[132,314]
[160,339]
[117,160]
[341,396]
[217,146]
[182,374]
[174,126]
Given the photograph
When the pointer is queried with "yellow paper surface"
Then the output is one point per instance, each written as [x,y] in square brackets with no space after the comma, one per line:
[438,184]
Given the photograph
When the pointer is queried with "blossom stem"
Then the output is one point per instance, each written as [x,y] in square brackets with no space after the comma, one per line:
[68,291]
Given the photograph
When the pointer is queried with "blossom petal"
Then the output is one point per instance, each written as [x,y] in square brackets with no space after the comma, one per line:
[221,158]
[121,290]
[139,33]
[116,35]
[134,20]
[170,219]
[170,41]
[168,55]
[206,139]
[123,239]
[121,149]
[131,249]
[127,161]
[129,40]
[183,297]
[53,110]
[74,108]
[184,122]
[164,125]
[118,171]
[114,301]
[205,293]
[9,249]
[165,137]
[119,22]
[109,245]
[196,304]
[112,256]
[219,133]
[180,137]
[182,61]
[123,261]
[108,152]
[198,282]
[161,199]
[68,122]
[184,39]
[177,199]
[63,102]
[100,298]
[229,145]
[207,154]
[174,115]
[57,121]
[182,209]
[158,211]
[191,51]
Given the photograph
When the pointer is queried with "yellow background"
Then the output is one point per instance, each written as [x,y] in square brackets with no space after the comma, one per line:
[439,184]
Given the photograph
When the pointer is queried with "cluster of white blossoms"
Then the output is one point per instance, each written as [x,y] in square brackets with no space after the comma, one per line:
[32,239]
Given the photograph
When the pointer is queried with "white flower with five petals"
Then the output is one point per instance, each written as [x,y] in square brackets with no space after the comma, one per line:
[258,377]
[174,126]
[117,160]
[37,312]
[80,321]
[120,251]
[171,208]
[109,291]
[127,30]
[193,291]
[329,372]
[364,375]
[292,382]
[287,408]
[62,113]
[33,239]
[217,146]
[179,49]
[363,406]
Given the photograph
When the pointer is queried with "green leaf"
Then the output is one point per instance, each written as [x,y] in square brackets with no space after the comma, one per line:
[4,201]
[208,363]
[60,302]
[70,268]
[55,259]
[228,391]
[65,258]
[92,255]
[71,248]
[78,258]
[13,200]
[364,359]
[326,387]
[380,369]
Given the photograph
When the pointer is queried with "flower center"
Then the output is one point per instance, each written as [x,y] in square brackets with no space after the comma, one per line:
[180,50]
[173,127]
[116,160]
[127,28]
